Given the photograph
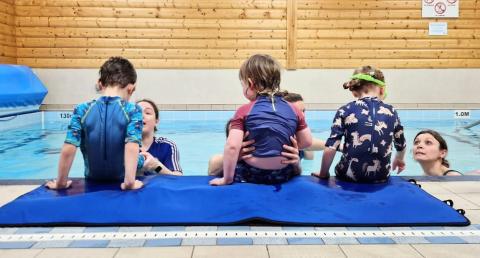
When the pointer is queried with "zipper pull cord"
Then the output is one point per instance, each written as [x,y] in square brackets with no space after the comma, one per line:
[272,98]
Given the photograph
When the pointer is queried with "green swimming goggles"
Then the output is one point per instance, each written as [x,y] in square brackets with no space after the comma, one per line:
[367,77]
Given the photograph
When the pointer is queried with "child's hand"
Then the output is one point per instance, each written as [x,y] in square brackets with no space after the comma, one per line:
[291,153]
[321,175]
[136,185]
[247,148]
[398,163]
[55,185]
[150,162]
[219,181]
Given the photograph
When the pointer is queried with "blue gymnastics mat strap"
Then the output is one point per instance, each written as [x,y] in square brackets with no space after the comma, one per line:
[21,90]
[189,200]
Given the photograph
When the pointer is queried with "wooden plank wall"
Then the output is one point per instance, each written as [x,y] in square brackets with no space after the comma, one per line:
[385,33]
[8,49]
[222,33]
[153,34]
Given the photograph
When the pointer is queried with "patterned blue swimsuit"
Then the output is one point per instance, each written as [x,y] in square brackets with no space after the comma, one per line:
[370,128]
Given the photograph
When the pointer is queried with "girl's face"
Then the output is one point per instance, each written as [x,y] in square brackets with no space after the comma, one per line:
[427,148]
[149,119]
[248,90]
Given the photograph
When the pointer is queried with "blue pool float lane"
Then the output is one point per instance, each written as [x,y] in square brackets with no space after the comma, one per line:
[22,91]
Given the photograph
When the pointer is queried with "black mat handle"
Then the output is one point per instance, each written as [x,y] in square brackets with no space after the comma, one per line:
[449,202]
[413,181]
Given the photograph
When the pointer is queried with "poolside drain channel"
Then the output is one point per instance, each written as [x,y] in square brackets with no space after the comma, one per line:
[40,237]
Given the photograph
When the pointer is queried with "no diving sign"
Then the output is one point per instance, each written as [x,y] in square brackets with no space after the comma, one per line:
[440,8]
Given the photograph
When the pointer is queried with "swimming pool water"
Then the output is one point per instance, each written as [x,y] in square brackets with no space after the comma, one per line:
[32,151]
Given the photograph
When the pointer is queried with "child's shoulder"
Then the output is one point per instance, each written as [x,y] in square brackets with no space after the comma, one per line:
[348,106]
[245,108]
[387,106]
[130,106]
[84,106]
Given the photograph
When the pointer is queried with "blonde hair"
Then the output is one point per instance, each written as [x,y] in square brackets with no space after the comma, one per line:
[264,72]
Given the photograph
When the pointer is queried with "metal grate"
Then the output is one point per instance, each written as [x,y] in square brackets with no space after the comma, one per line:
[235,234]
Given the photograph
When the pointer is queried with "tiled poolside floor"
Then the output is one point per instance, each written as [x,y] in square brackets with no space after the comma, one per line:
[465,194]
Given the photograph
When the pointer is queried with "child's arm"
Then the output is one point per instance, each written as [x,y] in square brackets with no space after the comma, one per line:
[230,157]
[304,138]
[400,145]
[331,145]
[72,141]
[399,161]
[131,160]
[327,159]
[317,145]
[308,155]
[303,134]
[133,140]
[66,159]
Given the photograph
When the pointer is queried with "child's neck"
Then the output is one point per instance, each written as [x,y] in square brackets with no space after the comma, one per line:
[367,94]
[116,92]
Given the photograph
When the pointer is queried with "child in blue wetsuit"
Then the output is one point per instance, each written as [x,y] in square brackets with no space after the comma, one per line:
[270,120]
[370,128]
[108,131]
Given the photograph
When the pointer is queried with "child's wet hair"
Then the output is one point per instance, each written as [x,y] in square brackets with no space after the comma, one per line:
[359,84]
[117,71]
[264,71]
[441,141]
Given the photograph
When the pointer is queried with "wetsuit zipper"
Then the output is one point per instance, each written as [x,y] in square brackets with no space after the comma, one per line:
[371,106]
[373,125]
[105,132]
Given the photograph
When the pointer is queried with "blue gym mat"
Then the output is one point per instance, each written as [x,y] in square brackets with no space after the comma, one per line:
[189,200]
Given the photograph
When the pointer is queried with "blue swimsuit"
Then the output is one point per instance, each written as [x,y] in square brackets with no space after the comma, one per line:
[270,124]
[101,128]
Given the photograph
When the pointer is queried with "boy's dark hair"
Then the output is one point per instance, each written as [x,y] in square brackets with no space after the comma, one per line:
[361,85]
[117,71]
[154,106]
[264,71]
[441,141]
[292,97]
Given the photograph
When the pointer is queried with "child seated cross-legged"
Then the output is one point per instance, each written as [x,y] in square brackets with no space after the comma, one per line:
[271,122]
[370,127]
[108,131]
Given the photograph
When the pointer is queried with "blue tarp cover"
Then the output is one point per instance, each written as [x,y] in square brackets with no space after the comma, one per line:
[20,87]
[189,200]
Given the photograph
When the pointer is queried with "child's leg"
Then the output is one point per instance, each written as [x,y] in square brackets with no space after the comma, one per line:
[215,165]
